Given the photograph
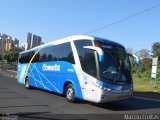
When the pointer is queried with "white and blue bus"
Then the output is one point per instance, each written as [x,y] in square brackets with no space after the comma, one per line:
[79,66]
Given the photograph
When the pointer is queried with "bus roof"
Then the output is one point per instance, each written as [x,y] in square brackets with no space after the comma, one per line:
[71,38]
[109,42]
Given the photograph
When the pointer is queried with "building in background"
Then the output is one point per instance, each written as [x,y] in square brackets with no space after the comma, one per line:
[2,43]
[32,41]
[7,42]
[26,46]
[29,40]
[16,42]
[11,43]
[36,41]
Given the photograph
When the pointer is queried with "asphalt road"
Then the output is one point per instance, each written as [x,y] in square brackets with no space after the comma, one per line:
[38,104]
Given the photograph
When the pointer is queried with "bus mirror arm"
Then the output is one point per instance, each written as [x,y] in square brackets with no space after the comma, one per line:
[98,50]
[136,58]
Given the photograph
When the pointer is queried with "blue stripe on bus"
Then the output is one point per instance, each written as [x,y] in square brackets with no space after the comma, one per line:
[52,76]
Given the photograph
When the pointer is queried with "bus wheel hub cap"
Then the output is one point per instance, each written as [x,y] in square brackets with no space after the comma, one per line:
[70,93]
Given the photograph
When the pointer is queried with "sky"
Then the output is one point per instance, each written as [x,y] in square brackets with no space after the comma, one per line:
[55,19]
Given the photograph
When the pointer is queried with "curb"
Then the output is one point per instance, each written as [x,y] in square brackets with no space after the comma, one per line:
[12,76]
[147,99]
[12,71]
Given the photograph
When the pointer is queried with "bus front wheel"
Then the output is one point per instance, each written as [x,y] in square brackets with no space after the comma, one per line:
[70,93]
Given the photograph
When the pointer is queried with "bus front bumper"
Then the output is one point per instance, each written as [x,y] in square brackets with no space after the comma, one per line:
[108,96]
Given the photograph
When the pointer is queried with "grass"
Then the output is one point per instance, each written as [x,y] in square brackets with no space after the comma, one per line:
[144,85]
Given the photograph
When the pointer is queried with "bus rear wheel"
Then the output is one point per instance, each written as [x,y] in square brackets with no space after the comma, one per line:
[27,83]
[70,93]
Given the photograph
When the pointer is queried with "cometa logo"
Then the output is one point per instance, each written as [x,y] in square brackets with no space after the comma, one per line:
[51,68]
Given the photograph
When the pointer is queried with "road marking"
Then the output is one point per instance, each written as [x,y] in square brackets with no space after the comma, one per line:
[145,98]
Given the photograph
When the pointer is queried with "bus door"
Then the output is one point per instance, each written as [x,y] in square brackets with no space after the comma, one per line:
[90,73]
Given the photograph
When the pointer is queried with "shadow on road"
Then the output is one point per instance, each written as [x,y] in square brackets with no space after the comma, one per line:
[122,105]
[129,105]
[24,106]
[153,95]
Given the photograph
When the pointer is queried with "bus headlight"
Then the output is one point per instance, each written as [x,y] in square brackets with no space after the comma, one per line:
[107,89]
[104,88]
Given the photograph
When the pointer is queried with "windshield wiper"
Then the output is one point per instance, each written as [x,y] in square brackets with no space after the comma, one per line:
[117,76]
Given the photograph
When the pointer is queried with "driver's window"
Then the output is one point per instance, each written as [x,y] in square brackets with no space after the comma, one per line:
[86,56]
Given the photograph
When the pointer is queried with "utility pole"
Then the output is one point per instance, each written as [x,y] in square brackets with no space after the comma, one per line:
[154,70]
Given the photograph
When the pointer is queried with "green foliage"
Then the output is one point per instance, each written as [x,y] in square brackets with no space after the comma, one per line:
[145,85]
[12,54]
[142,73]
[142,76]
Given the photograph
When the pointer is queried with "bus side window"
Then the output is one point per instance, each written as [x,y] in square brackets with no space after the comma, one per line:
[36,58]
[61,52]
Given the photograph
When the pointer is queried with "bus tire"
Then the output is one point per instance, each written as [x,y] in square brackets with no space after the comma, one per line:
[70,93]
[27,83]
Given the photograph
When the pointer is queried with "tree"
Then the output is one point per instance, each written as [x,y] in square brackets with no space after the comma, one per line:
[156,49]
[12,54]
[143,53]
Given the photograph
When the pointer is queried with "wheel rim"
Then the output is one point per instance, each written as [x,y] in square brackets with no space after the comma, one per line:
[27,84]
[70,93]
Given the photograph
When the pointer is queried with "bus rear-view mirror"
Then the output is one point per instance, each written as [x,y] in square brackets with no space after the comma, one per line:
[136,59]
[98,50]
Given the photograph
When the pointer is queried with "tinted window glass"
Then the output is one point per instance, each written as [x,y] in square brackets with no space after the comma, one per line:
[62,52]
[86,56]
[25,57]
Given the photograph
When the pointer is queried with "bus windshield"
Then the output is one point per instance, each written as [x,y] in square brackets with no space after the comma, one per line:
[116,67]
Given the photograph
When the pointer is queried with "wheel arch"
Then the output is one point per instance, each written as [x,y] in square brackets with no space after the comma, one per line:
[65,85]
[26,77]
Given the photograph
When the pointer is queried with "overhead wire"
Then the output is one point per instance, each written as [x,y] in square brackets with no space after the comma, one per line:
[124,19]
